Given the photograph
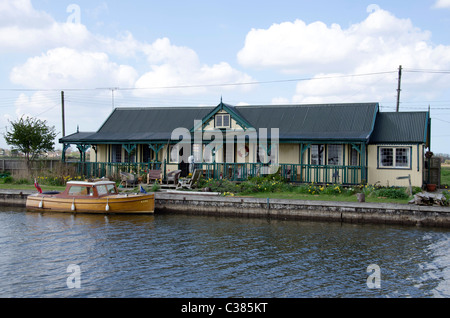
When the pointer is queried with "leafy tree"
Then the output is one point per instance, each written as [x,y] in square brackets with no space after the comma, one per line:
[31,136]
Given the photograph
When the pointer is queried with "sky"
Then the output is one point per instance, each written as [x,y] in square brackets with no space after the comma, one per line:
[107,54]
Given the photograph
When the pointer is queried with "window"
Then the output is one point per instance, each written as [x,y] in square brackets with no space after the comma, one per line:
[111,188]
[116,155]
[173,153]
[317,154]
[101,190]
[79,190]
[146,154]
[197,152]
[335,155]
[392,157]
[402,157]
[222,121]
[209,153]
[386,157]
[354,159]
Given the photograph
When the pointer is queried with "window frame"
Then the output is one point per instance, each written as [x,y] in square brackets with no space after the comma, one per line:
[395,156]
[222,116]
[340,154]
[116,153]
[320,154]
[171,148]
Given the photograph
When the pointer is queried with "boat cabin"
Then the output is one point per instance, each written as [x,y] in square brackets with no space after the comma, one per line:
[81,189]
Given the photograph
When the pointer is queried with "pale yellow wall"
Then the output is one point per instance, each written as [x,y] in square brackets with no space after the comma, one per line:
[388,176]
[101,154]
[289,153]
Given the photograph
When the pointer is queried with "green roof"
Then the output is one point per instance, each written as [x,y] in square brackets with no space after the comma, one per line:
[398,127]
[316,122]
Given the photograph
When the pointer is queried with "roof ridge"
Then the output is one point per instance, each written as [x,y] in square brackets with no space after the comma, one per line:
[309,105]
[162,107]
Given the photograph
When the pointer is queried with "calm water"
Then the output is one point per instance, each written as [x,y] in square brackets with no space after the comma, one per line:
[196,256]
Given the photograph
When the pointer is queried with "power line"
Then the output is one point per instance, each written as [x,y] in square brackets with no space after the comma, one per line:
[225,84]
[427,71]
[196,85]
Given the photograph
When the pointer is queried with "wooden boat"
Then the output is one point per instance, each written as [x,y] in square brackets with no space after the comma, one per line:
[91,197]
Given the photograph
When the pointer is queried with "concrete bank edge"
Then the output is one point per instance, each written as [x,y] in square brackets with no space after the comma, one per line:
[349,212]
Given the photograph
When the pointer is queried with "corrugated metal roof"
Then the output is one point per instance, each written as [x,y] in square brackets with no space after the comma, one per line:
[398,127]
[333,122]
[315,122]
[147,124]
[75,137]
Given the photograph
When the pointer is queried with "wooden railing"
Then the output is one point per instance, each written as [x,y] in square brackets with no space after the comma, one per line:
[301,173]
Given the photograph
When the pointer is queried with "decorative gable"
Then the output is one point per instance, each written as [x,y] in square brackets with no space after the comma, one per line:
[224,116]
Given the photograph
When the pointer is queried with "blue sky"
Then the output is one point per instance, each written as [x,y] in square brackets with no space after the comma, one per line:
[106,54]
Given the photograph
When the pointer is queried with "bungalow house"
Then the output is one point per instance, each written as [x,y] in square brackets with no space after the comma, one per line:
[351,143]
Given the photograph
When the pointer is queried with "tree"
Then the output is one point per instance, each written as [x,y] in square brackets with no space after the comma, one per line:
[30,136]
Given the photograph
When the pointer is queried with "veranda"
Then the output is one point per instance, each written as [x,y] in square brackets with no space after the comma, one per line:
[297,173]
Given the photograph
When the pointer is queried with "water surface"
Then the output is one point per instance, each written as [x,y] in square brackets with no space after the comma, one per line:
[202,256]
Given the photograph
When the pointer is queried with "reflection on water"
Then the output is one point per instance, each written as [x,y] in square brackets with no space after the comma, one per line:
[200,256]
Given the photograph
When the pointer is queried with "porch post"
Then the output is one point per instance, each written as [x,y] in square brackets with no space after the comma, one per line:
[63,155]
[156,149]
[363,163]
[302,152]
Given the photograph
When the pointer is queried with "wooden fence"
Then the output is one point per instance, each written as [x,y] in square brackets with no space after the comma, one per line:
[19,166]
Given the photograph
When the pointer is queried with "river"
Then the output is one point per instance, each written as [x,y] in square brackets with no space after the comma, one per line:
[180,256]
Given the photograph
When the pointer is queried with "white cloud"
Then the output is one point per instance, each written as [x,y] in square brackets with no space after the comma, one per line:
[68,68]
[76,58]
[440,4]
[172,66]
[22,28]
[379,43]
[46,105]
[297,47]
[22,13]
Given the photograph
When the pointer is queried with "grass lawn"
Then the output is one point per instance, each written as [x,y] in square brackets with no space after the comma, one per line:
[325,197]
[289,195]
[12,186]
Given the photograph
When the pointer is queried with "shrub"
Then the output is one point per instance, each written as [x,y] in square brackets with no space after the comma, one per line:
[391,193]
[155,187]
[8,179]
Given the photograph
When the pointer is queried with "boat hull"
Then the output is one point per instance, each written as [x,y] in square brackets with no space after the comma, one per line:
[132,204]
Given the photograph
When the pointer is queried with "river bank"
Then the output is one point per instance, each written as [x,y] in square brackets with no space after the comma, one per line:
[200,203]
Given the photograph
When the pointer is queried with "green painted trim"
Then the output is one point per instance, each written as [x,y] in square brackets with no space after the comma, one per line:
[375,113]
[156,148]
[397,168]
[129,147]
[239,119]
[357,148]
[418,166]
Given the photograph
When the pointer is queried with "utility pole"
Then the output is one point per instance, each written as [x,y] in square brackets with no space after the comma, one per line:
[112,93]
[62,112]
[399,84]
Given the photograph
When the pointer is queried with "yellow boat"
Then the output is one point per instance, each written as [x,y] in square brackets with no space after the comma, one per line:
[91,197]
